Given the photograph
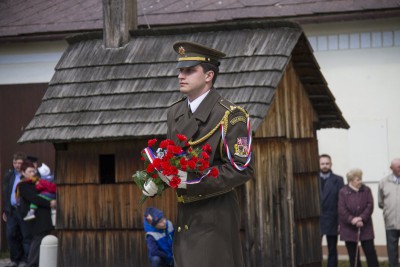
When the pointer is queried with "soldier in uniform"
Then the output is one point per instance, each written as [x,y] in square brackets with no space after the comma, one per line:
[208,225]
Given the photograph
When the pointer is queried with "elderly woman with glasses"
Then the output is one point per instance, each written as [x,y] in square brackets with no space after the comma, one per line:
[355,208]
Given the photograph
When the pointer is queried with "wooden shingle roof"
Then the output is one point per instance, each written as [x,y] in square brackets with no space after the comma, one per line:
[20,18]
[103,94]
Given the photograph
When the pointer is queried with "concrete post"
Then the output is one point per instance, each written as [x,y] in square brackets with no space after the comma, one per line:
[48,251]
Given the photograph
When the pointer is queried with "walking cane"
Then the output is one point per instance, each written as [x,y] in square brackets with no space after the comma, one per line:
[357,248]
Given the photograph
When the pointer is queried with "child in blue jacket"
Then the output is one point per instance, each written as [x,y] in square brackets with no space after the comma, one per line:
[159,235]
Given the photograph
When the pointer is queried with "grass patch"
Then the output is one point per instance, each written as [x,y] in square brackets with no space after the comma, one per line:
[345,263]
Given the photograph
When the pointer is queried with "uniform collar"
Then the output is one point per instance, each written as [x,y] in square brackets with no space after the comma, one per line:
[204,109]
[196,103]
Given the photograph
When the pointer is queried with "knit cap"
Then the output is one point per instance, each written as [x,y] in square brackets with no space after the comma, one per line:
[153,215]
[44,170]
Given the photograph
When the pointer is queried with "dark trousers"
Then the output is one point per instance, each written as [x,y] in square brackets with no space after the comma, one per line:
[392,246]
[34,252]
[332,250]
[369,252]
[19,236]
[156,261]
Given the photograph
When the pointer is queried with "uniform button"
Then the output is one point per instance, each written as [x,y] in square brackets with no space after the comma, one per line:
[186,227]
[179,229]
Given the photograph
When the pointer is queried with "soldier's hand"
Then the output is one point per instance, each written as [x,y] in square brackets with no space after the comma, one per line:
[150,188]
[181,174]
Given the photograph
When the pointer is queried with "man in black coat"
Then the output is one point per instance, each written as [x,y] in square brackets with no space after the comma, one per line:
[18,232]
[330,185]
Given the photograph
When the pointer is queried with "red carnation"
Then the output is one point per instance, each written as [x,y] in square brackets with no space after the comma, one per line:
[150,168]
[165,143]
[181,137]
[214,172]
[192,164]
[157,163]
[151,142]
[207,148]
[175,181]
[205,155]
[183,162]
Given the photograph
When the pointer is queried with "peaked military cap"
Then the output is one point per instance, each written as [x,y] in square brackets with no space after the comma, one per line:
[191,54]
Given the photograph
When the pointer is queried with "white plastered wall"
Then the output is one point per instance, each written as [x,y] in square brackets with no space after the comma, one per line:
[31,62]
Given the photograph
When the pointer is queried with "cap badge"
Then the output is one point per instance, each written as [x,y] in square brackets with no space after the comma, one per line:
[181,50]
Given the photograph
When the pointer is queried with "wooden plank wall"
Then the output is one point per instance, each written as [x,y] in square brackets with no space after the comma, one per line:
[291,114]
[282,222]
[102,224]
[14,119]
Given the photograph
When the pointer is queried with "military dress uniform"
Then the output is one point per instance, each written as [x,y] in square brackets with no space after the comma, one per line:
[208,225]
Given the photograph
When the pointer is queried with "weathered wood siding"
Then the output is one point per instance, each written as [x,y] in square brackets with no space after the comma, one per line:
[102,224]
[282,218]
[291,114]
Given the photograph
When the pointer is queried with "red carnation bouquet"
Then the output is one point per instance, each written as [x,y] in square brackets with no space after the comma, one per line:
[168,159]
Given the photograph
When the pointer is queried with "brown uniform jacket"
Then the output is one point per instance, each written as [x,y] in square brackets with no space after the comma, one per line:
[207,230]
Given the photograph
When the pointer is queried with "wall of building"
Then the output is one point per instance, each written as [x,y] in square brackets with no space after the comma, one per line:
[32,62]
[361,64]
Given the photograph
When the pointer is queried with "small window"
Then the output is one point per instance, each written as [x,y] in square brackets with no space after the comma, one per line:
[107,169]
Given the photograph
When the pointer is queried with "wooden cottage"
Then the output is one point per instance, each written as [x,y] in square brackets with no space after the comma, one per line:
[102,105]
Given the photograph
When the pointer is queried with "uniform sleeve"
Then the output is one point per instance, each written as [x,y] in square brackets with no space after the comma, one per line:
[228,176]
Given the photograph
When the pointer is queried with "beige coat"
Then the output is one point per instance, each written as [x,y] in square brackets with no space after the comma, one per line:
[389,201]
[207,230]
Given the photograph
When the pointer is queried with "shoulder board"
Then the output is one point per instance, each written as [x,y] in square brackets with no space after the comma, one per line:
[228,105]
[179,100]
[231,107]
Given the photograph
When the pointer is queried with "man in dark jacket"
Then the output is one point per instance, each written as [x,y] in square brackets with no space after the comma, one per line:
[330,185]
[18,232]
[208,223]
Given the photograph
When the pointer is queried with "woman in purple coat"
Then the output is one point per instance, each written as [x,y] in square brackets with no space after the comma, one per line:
[355,210]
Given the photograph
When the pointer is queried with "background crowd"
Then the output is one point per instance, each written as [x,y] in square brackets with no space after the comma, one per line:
[346,211]
[27,209]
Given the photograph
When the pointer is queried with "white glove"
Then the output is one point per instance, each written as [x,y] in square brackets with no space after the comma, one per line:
[150,188]
[181,174]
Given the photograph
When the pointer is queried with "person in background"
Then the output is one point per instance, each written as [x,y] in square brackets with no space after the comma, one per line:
[18,233]
[42,225]
[45,189]
[330,185]
[35,161]
[356,205]
[159,235]
[389,201]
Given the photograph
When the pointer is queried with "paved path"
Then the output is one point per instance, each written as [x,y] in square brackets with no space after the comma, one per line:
[4,262]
